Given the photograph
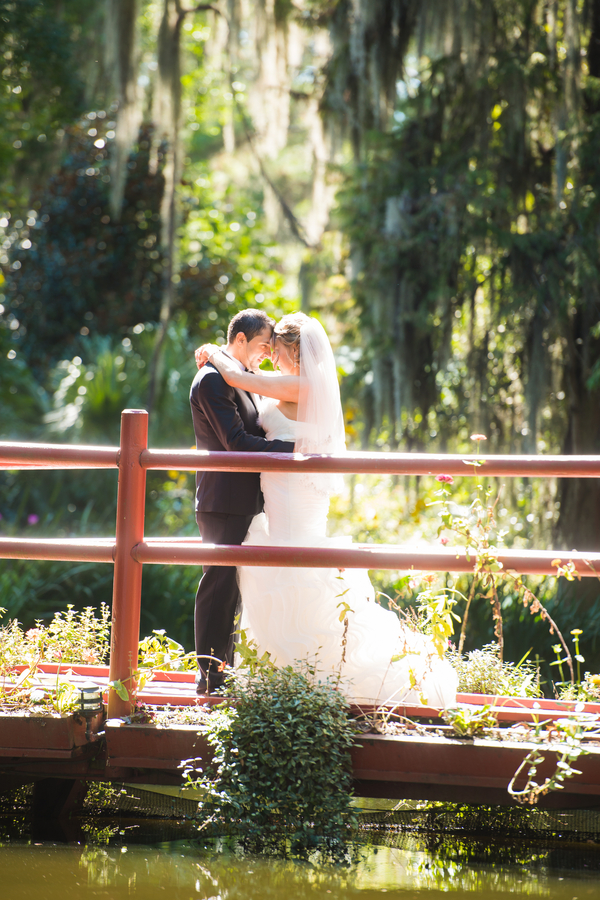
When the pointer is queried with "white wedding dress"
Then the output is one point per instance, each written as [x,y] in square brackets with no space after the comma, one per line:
[294,613]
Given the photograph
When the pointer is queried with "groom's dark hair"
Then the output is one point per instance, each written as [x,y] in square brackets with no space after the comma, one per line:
[250,322]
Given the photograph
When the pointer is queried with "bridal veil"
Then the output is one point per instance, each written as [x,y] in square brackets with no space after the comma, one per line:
[320,417]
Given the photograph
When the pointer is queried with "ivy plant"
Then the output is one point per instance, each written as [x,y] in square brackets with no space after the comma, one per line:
[280,775]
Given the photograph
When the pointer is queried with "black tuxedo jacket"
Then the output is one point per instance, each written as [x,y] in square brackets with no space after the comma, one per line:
[225,418]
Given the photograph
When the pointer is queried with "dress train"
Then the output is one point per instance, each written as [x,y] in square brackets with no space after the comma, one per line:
[301,613]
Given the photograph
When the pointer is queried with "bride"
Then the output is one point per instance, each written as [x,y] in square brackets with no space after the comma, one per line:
[329,616]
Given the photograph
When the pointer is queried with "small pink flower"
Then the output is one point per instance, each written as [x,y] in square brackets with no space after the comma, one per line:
[444,479]
[478,437]
[32,519]
[56,653]
[33,634]
[444,540]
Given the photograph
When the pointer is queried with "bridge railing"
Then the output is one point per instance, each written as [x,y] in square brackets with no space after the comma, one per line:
[129,549]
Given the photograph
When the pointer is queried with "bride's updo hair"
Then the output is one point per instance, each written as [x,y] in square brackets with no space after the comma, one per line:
[288,330]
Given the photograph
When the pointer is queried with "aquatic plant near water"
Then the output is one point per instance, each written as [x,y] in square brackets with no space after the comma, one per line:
[281,775]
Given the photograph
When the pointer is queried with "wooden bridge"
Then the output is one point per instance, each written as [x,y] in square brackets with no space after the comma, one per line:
[60,754]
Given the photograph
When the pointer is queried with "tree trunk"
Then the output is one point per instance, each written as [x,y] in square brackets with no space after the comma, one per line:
[578,526]
[167,114]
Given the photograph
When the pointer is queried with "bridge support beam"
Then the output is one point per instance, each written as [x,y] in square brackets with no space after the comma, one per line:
[127,584]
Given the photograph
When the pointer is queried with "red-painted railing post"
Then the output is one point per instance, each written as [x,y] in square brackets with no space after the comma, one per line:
[127,584]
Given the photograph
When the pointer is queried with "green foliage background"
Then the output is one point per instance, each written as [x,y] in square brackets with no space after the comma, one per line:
[438,209]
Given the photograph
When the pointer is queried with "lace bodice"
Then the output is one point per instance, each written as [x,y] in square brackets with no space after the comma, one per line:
[296,510]
[276,426]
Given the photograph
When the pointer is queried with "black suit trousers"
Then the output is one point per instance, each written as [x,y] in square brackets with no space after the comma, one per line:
[218,596]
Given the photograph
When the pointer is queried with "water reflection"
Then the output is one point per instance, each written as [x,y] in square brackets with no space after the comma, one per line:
[184,870]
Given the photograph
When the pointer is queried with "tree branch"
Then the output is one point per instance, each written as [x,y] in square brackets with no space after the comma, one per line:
[204,7]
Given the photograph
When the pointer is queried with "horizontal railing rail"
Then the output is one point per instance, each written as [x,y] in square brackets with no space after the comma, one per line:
[129,549]
[193,552]
[363,556]
[69,456]
[101,550]
[57,456]
[376,463]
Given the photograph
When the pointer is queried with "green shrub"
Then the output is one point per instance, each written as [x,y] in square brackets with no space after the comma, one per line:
[281,774]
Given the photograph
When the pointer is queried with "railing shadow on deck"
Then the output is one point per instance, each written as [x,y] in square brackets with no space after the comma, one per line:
[129,549]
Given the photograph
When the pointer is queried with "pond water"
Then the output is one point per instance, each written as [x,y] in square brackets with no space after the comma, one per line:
[404,866]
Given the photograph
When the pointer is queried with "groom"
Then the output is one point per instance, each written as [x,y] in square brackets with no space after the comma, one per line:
[226,418]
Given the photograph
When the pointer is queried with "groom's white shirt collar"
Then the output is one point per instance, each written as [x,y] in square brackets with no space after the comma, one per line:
[254,397]
[229,356]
